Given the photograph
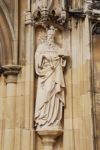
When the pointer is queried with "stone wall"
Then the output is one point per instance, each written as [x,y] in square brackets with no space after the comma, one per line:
[23,25]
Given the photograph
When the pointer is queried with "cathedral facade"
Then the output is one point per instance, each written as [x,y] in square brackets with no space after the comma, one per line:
[49,75]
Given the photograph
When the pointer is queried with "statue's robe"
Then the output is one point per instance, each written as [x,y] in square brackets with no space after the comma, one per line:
[50,85]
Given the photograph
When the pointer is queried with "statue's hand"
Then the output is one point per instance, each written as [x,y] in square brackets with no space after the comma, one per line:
[43,56]
[52,67]
[41,67]
[62,56]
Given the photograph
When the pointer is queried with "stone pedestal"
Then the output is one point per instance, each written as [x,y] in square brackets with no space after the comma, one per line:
[48,137]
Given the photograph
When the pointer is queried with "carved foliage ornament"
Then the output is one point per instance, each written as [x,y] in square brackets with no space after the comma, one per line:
[95,28]
[93,4]
[96,4]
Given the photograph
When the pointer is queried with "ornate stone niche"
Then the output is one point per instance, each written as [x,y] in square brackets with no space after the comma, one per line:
[50,20]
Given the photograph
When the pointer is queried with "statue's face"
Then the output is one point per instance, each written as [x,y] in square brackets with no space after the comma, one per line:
[50,38]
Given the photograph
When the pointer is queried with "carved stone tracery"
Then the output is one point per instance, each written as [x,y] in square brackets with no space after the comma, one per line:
[45,14]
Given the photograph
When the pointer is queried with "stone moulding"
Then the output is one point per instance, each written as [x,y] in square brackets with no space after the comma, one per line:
[11,72]
[77,13]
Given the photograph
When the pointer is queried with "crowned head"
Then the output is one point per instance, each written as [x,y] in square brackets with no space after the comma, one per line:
[51,34]
[51,31]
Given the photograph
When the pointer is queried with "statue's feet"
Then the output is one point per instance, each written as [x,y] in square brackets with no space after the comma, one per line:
[49,127]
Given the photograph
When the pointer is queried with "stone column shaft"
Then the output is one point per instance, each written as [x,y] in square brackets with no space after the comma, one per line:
[29,78]
[48,147]
[29,71]
[10,73]
[48,143]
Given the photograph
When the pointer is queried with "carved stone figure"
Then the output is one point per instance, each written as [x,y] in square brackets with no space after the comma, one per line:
[50,61]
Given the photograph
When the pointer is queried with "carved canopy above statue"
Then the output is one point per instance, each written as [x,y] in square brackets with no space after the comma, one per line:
[50,12]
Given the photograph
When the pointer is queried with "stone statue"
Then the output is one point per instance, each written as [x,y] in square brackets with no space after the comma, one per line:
[50,61]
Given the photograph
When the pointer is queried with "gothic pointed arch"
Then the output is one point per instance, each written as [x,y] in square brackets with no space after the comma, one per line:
[7,36]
